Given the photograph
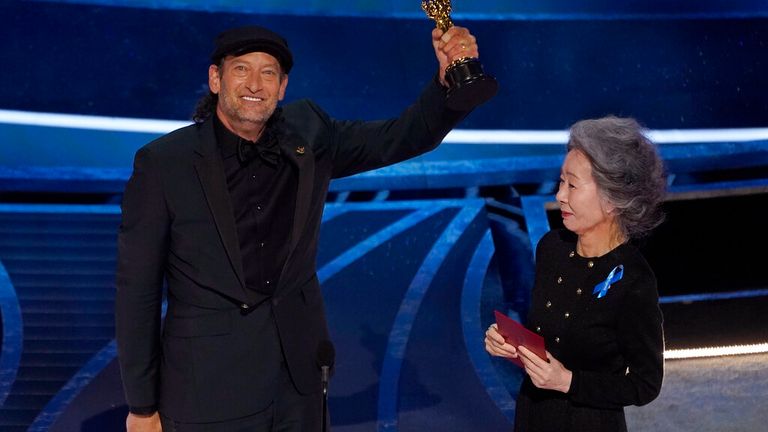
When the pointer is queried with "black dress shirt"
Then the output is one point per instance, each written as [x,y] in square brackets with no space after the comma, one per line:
[263,197]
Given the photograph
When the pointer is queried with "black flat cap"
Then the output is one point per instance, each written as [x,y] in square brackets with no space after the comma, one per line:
[244,40]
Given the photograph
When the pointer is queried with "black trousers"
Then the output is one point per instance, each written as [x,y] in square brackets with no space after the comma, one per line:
[290,412]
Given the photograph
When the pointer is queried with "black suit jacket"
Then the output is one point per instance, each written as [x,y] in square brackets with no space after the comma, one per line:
[213,361]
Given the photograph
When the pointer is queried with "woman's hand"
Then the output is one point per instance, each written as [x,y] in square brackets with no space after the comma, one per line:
[495,344]
[550,375]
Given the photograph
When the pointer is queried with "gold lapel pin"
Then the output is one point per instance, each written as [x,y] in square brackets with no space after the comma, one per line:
[300,150]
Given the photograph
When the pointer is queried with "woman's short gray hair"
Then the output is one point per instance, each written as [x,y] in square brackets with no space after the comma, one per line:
[627,169]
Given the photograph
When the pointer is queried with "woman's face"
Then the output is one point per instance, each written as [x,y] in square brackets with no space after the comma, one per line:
[583,209]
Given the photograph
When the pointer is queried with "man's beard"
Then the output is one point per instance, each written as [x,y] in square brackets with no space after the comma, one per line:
[231,108]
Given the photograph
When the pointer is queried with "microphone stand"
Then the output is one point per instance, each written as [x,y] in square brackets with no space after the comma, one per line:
[324,370]
[325,357]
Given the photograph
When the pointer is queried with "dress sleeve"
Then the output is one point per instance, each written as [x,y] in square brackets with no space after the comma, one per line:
[142,249]
[641,344]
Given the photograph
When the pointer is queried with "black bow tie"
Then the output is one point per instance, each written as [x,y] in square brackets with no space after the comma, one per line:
[248,150]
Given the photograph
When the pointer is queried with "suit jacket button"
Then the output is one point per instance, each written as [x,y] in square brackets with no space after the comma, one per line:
[244,306]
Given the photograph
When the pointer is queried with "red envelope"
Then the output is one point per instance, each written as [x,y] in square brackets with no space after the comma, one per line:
[515,334]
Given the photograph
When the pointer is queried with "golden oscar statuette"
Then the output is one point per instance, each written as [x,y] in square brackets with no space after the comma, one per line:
[468,85]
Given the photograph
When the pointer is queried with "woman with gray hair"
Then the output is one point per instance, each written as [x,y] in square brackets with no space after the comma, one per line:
[595,301]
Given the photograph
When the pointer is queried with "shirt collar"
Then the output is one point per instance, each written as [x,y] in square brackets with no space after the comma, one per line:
[225,138]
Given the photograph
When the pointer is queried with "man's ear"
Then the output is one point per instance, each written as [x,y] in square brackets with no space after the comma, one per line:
[214,79]
[283,85]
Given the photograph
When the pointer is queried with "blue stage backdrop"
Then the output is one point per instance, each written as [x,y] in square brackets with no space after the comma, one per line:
[413,258]
[671,64]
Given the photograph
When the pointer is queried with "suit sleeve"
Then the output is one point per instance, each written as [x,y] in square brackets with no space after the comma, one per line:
[641,343]
[361,146]
[142,249]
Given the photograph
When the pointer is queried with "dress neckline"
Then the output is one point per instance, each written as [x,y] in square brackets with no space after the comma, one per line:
[574,254]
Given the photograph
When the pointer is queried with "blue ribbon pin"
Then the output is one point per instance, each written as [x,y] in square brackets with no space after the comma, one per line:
[614,276]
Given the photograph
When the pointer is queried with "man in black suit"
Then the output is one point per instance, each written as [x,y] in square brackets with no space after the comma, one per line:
[227,212]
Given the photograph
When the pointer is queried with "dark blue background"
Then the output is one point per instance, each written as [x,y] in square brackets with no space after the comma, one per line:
[668,71]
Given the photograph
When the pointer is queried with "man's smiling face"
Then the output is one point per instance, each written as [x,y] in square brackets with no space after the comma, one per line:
[249,87]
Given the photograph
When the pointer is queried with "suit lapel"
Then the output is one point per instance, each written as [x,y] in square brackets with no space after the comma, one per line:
[299,153]
[210,170]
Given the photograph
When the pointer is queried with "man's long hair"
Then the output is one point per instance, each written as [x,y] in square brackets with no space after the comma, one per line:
[205,107]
